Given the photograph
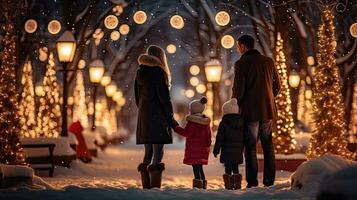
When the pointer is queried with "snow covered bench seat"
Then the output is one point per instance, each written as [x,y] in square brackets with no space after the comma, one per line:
[41,163]
[91,138]
[63,154]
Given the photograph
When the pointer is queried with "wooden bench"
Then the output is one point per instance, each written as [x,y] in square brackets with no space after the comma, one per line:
[33,161]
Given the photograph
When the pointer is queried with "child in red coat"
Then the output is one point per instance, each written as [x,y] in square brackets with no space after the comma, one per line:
[198,141]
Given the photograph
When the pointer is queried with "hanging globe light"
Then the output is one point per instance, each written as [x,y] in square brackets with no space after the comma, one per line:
[117,95]
[54,27]
[353,30]
[194,81]
[31,26]
[222,18]
[177,22]
[124,29]
[115,35]
[194,70]
[189,93]
[111,22]
[227,41]
[310,60]
[171,48]
[201,88]
[140,17]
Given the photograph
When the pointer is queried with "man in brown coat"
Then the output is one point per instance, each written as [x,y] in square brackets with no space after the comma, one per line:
[256,84]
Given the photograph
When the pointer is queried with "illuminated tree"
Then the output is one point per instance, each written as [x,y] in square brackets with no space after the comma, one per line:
[10,148]
[79,106]
[49,115]
[284,137]
[330,133]
[304,113]
[353,120]
[27,104]
[113,121]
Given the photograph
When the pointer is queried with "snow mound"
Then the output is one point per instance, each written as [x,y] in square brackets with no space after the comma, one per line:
[62,147]
[339,185]
[16,170]
[310,174]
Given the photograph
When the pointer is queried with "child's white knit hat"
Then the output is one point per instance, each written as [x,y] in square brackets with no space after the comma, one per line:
[230,107]
[198,106]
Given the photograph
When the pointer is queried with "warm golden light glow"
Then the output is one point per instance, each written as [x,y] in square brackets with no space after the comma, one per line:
[201,88]
[189,93]
[171,49]
[117,95]
[140,17]
[353,30]
[294,79]
[177,22]
[106,79]
[81,64]
[111,22]
[194,70]
[39,90]
[115,35]
[66,47]
[194,81]
[213,70]
[96,71]
[222,18]
[227,41]
[310,60]
[124,29]
[110,89]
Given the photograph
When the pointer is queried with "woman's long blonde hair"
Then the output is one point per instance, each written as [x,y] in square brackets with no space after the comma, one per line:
[159,53]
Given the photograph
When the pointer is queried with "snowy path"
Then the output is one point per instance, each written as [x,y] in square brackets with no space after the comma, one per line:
[113,175]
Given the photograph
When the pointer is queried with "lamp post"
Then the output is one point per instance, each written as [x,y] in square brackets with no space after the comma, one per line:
[213,72]
[66,48]
[96,72]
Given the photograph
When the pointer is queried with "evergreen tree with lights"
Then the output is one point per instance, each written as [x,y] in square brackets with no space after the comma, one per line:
[10,148]
[79,106]
[329,135]
[353,119]
[27,104]
[284,136]
[49,115]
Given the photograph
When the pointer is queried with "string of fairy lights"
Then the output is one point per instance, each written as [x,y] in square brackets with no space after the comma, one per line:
[284,136]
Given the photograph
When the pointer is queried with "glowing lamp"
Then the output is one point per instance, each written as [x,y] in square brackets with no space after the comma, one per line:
[213,71]
[177,22]
[222,18]
[66,47]
[96,71]
[140,17]
[39,90]
[194,70]
[171,48]
[294,79]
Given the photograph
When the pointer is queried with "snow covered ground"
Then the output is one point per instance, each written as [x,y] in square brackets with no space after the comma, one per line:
[113,175]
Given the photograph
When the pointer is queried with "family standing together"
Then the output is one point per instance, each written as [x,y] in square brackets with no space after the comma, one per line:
[247,116]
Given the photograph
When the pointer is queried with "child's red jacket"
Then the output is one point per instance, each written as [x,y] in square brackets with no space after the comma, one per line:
[198,139]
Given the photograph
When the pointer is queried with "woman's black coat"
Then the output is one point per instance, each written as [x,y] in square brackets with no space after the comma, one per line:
[152,97]
[229,139]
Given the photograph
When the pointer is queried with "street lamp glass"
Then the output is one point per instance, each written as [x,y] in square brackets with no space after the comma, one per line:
[66,47]
[110,89]
[213,71]
[294,79]
[96,71]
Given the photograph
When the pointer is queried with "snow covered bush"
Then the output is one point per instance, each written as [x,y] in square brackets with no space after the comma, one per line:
[12,175]
[339,185]
[310,174]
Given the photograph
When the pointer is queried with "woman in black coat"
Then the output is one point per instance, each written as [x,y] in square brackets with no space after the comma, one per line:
[155,114]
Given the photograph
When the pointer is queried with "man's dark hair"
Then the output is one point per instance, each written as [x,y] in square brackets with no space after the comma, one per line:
[247,41]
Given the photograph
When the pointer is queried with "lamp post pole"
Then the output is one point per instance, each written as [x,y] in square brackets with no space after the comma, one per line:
[64,101]
[94,108]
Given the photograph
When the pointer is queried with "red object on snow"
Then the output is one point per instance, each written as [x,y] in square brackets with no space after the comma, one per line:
[198,142]
[82,150]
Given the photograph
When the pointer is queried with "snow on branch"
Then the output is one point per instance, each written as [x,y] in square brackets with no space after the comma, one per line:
[300,25]
[189,8]
[351,53]
[210,15]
